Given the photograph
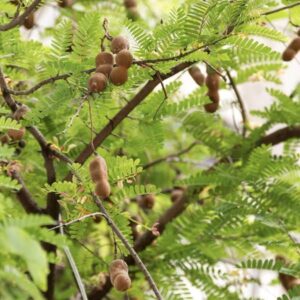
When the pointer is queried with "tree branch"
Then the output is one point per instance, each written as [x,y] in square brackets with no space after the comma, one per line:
[280,135]
[25,196]
[240,101]
[166,158]
[19,20]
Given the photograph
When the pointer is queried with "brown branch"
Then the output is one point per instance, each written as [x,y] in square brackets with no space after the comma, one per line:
[131,250]
[240,101]
[19,20]
[279,136]
[25,196]
[166,158]
[281,9]
[124,112]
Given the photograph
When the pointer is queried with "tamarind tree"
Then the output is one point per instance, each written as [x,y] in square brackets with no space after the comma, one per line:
[117,183]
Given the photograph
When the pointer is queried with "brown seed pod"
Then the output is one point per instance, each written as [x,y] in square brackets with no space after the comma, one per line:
[288,54]
[122,282]
[29,21]
[98,169]
[104,69]
[117,266]
[97,83]
[65,3]
[102,189]
[124,58]
[147,201]
[295,44]
[104,58]
[17,134]
[214,96]
[211,107]
[119,43]
[130,3]
[118,75]
[20,112]
[4,139]
[212,81]
[176,195]
[197,75]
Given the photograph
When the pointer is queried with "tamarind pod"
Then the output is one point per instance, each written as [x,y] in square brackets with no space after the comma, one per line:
[98,169]
[117,272]
[102,189]
[214,96]
[97,83]
[122,282]
[124,58]
[16,134]
[295,44]
[104,58]
[104,69]
[197,75]
[29,21]
[118,75]
[116,267]
[212,81]
[288,54]
[211,107]
[119,43]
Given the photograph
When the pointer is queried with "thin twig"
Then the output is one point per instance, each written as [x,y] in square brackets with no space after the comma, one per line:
[215,70]
[132,252]
[240,101]
[73,265]
[77,220]
[165,94]
[280,9]
[166,158]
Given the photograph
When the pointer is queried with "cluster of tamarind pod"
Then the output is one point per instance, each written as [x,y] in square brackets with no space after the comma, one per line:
[292,49]
[110,68]
[118,273]
[131,7]
[212,82]
[98,173]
